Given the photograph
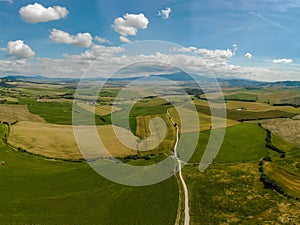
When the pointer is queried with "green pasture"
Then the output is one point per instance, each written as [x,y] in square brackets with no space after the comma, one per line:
[39,191]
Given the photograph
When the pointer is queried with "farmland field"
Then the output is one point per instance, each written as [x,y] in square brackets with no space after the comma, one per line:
[57,141]
[233,194]
[250,106]
[102,110]
[241,96]
[39,191]
[204,121]
[61,113]
[244,115]
[38,153]
[287,129]
[243,142]
[288,181]
[151,138]
[13,113]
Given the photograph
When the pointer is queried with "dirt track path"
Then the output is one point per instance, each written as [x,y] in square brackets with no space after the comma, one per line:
[186,193]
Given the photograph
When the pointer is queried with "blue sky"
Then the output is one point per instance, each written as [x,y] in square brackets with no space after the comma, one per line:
[267,30]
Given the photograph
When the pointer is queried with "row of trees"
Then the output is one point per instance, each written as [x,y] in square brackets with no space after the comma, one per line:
[271,184]
[270,145]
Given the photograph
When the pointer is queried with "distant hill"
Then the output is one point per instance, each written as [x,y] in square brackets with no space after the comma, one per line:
[242,83]
[181,76]
[286,84]
[184,77]
[37,79]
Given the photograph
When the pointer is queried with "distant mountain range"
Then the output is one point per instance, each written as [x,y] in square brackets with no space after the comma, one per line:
[173,77]
[37,78]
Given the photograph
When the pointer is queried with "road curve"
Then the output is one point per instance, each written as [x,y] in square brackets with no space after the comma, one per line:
[186,193]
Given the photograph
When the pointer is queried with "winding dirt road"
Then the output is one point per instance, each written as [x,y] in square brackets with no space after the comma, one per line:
[186,193]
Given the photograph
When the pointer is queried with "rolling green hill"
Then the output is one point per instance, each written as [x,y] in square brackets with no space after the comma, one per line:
[38,191]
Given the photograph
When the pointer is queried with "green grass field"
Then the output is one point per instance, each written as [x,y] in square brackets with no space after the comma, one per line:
[143,107]
[247,115]
[38,191]
[61,113]
[241,97]
[243,142]
[150,107]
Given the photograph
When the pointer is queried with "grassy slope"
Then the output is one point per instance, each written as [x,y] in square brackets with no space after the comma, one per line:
[243,142]
[233,194]
[37,191]
[284,171]
[241,96]
[60,112]
[141,108]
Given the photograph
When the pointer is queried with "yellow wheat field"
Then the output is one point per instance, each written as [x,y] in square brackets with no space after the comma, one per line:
[249,106]
[101,110]
[57,141]
[13,113]
[10,99]
[158,136]
[204,121]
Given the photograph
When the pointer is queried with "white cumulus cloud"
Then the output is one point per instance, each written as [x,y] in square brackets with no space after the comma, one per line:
[248,55]
[124,39]
[20,50]
[95,52]
[109,58]
[81,39]
[165,13]
[35,13]
[102,40]
[284,61]
[222,54]
[130,23]
[209,54]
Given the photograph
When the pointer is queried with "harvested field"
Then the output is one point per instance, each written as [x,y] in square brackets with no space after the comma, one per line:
[57,141]
[296,117]
[287,129]
[277,95]
[54,100]
[101,110]
[204,121]
[260,107]
[156,133]
[289,182]
[9,99]
[250,106]
[13,113]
